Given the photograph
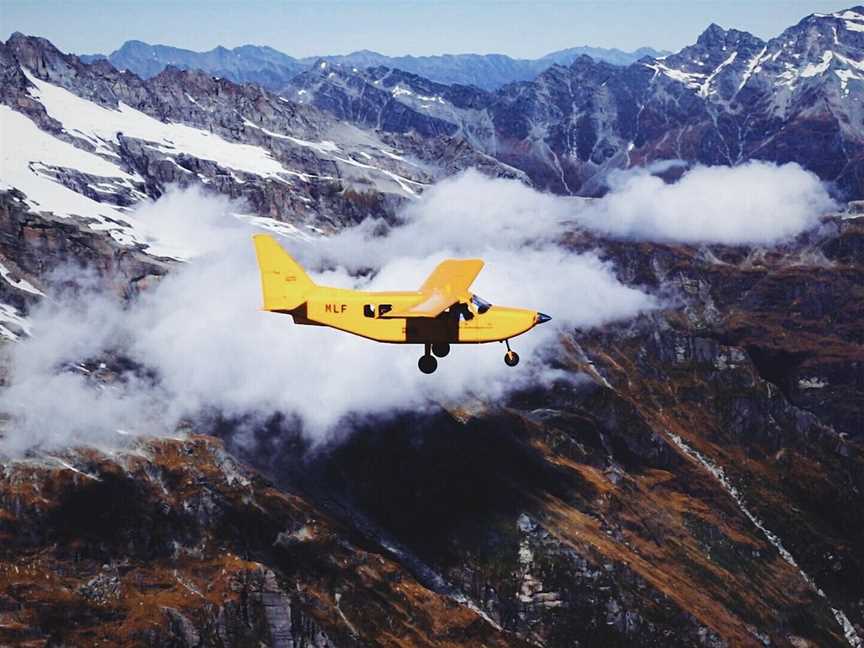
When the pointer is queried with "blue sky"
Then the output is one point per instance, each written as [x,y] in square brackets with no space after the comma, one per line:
[301,28]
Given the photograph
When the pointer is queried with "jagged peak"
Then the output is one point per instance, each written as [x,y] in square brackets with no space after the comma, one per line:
[251,47]
[131,45]
[715,37]
[19,41]
[586,62]
[19,37]
[366,52]
[712,35]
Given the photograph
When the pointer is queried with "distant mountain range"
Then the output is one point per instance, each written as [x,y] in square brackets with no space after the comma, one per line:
[273,69]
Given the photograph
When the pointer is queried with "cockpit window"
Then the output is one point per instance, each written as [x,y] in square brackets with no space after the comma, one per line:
[384,308]
[481,304]
[369,310]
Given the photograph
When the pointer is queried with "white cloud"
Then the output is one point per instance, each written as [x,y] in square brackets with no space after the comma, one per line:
[202,332]
[200,329]
[757,202]
[176,225]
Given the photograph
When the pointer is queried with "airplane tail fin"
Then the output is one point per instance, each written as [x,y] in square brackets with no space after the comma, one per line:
[284,284]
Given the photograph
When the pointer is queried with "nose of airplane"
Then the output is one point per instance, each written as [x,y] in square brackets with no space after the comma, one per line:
[542,317]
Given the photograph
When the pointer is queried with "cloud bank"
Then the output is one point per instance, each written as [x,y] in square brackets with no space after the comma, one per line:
[209,346]
[756,202]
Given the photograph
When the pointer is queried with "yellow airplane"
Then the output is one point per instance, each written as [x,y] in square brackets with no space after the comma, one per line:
[441,313]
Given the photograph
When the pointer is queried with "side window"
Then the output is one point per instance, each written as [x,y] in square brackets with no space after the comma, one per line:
[369,310]
[481,304]
[384,308]
[464,312]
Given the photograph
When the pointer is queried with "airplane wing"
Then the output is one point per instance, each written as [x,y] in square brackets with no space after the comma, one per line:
[447,285]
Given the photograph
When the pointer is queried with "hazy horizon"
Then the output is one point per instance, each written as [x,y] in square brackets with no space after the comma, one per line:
[394,28]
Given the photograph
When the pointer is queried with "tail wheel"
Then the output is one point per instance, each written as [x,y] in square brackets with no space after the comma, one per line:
[441,349]
[511,358]
[428,364]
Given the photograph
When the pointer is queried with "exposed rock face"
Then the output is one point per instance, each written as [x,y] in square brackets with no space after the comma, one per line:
[659,502]
[177,544]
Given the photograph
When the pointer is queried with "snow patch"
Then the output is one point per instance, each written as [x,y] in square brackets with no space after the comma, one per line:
[404,183]
[277,227]
[20,284]
[104,125]
[812,383]
[325,146]
[705,87]
[845,77]
[691,80]
[28,152]
[811,70]
[12,324]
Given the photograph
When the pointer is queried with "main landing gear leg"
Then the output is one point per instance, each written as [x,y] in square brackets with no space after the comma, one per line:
[511,358]
[427,363]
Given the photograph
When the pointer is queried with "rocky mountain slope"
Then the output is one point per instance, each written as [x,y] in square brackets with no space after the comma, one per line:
[692,477]
[701,487]
[273,69]
[115,140]
[728,98]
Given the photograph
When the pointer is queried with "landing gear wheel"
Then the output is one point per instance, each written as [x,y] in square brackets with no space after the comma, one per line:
[428,364]
[511,358]
[441,349]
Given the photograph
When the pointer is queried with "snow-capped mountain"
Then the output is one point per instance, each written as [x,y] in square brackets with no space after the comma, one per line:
[89,140]
[800,96]
[726,99]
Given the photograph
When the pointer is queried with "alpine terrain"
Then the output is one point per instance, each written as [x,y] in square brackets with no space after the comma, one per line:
[687,470]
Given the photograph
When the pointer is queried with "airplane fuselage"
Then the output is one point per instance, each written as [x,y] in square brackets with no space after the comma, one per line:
[441,313]
[365,314]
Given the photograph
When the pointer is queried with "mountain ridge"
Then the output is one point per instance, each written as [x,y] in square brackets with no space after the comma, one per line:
[272,68]
[727,98]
